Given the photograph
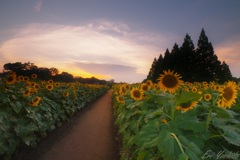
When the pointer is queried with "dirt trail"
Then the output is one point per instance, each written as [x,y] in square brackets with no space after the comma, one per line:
[88,136]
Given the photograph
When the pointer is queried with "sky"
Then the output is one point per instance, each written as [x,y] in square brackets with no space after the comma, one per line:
[113,39]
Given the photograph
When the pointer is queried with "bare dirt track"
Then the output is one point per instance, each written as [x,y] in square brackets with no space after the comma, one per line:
[89,135]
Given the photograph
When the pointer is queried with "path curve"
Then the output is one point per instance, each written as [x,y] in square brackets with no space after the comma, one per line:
[90,135]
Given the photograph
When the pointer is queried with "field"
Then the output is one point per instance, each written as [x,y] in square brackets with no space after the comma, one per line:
[30,109]
[170,119]
[173,119]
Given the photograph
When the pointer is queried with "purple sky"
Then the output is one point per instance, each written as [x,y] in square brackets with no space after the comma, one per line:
[113,39]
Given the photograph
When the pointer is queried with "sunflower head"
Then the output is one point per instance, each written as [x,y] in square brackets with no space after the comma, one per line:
[136,94]
[194,89]
[186,106]
[11,78]
[49,87]
[207,97]
[149,83]
[65,94]
[120,99]
[228,94]
[34,76]
[169,81]
[35,101]
[27,92]
[145,87]
[164,121]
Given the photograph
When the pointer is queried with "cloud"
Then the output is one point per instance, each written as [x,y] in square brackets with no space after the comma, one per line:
[74,48]
[38,5]
[229,52]
[119,72]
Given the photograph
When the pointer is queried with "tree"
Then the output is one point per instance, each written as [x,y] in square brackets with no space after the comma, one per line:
[207,63]
[152,70]
[225,73]
[186,58]
[194,65]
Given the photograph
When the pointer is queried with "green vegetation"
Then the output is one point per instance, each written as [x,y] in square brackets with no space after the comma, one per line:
[31,108]
[175,120]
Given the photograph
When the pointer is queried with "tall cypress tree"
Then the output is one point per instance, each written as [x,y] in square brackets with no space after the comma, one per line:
[175,56]
[194,65]
[152,70]
[186,58]
[224,73]
[206,61]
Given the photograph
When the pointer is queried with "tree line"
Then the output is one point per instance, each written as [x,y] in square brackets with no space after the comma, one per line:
[43,73]
[194,65]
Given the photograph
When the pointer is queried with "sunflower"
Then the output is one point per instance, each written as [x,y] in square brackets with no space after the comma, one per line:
[136,94]
[149,83]
[120,99]
[34,76]
[238,86]
[37,87]
[127,86]
[65,94]
[164,121]
[20,78]
[194,89]
[207,97]
[50,81]
[27,92]
[145,87]
[35,101]
[186,106]
[123,90]
[228,94]
[49,87]
[33,84]
[169,82]
[11,78]
[57,84]
[26,78]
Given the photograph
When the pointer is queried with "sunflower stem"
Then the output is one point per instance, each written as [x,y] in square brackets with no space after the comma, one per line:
[178,142]
[209,118]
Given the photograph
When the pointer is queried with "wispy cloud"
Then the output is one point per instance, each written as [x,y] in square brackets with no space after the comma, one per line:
[101,48]
[38,5]
[101,42]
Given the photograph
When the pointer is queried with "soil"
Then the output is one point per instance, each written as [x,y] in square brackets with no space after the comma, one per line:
[88,135]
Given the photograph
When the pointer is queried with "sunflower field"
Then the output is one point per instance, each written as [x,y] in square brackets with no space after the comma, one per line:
[30,108]
[173,119]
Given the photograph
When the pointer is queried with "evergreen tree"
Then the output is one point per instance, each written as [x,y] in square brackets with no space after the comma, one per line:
[167,60]
[186,58]
[193,65]
[207,64]
[175,56]
[152,70]
[224,74]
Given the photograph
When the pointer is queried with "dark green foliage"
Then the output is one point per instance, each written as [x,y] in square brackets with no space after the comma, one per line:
[43,73]
[194,65]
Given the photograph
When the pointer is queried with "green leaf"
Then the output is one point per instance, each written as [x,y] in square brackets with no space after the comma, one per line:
[155,113]
[168,145]
[148,135]
[16,106]
[182,156]
[193,151]
[186,97]
[188,121]
[141,155]
[231,135]
[222,113]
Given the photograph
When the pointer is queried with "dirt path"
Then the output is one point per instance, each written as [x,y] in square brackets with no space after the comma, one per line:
[88,136]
